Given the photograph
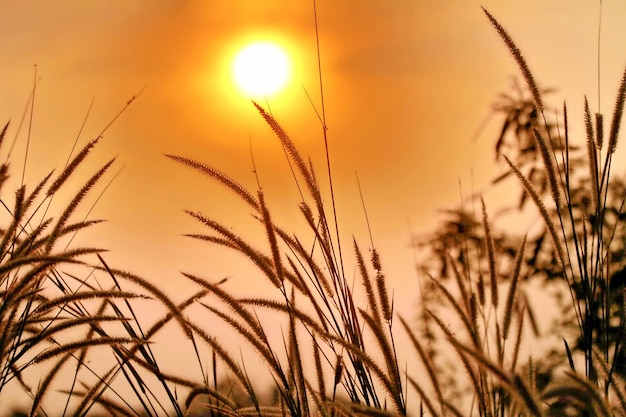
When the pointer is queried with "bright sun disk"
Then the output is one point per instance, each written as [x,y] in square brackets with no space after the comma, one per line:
[261,69]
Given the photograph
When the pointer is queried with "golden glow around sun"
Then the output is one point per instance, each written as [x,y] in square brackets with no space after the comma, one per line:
[261,69]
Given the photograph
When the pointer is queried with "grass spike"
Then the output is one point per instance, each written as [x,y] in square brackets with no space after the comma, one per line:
[519,58]
[617,115]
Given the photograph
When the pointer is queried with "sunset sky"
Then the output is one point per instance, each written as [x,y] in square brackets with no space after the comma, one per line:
[408,85]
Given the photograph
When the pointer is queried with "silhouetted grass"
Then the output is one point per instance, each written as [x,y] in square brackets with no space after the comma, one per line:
[337,355]
[355,341]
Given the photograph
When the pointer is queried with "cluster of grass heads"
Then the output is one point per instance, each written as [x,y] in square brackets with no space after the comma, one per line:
[580,246]
[338,352]
[354,342]
[39,304]
[66,323]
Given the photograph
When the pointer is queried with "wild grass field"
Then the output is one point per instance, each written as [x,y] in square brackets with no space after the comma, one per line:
[337,351]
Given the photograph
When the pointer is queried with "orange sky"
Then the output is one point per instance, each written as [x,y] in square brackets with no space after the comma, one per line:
[408,83]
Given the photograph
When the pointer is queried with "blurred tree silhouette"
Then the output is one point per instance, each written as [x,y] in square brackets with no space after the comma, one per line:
[459,238]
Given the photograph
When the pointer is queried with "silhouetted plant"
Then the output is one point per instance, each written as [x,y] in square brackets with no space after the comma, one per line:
[580,245]
[55,308]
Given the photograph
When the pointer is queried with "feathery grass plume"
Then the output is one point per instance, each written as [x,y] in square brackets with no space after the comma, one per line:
[219,176]
[271,235]
[151,288]
[71,167]
[55,328]
[33,317]
[4,174]
[326,251]
[153,369]
[480,289]
[519,58]
[293,153]
[385,306]
[295,359]
[40,265]
[473,315]
[318,226]
[470,326]
[459,279]
[376,260]
[544,213]
[599,130]
[383,296]
[3,133]
[215,395]
[367,284]
[264,263]
[18,213]
[74,203]
[305,318]
[76,227]
[69,347]
[566,166]
[86,295]
[233,303]
[593,159]
[258,343]
[30,243]
[491,255]
[35,193]
[617,115]
[338,373]
[548,163]
[518,339]
[510,298]
[531,315]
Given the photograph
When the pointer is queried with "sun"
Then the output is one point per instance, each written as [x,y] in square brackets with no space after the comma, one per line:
[261,69]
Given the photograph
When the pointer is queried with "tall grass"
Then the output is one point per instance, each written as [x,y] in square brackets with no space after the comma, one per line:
[338,351]
[354,340]
[581,245]
[65,315]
